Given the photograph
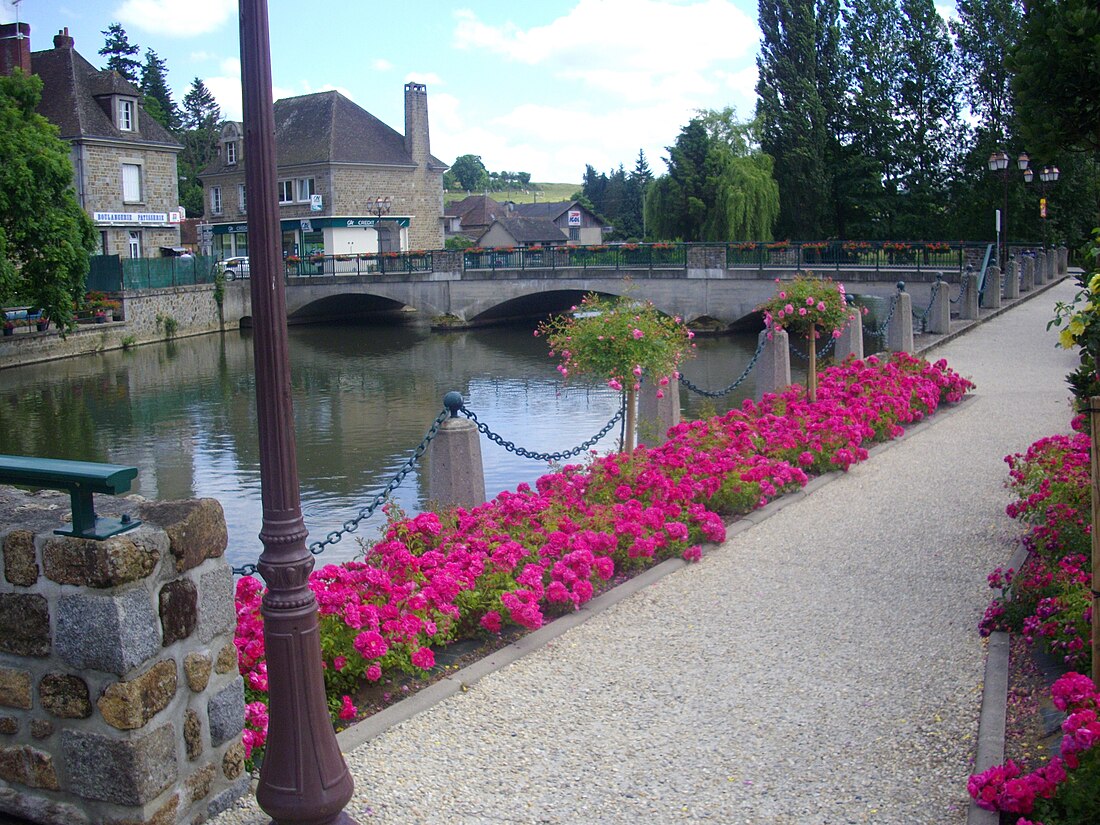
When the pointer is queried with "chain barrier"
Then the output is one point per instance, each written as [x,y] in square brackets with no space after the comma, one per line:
[923,316]
[821,353]
[558,456]
[964,283]
[350,526]
[709,394]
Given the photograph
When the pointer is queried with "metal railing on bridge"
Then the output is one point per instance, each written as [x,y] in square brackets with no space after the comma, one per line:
[836,255]
[381,263]
[610,256]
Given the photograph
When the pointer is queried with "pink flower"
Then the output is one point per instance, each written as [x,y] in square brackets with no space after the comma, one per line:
[423,658]
[339,662]
[810,301]
[660,393]
[491,621]
[637,370]
[693,553]
[615,385]
[347,709]
[821,306]
[374,673]
[788,309]
[802,310]
[637,333]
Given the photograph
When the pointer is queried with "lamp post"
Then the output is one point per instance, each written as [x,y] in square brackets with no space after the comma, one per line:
[378,207]
[304,780]
[1048,176]
[999,162]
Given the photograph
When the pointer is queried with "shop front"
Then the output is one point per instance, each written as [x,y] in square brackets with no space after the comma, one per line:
[307,237]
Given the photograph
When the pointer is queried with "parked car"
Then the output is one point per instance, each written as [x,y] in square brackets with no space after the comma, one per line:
[234,267]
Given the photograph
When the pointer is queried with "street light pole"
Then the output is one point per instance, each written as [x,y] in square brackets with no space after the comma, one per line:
[1048,176]
[998,162]
[303,780]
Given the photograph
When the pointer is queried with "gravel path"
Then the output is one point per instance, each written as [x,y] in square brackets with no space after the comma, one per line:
[822,666]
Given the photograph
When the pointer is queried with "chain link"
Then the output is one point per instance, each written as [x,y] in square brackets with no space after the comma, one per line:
[718,394]
[821,353]
[881,329]
[923,316]
[350,526]
[558,456]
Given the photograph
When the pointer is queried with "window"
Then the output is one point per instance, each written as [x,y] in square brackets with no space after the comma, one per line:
[286,191]
[135,244]
[574,233]
[231,152]
[242,203]
[216,200]
[126,112]
[305,189]
[131,183]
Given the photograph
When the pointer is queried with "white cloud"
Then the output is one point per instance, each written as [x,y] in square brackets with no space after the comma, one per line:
[380,64]
[202,57]
[172,18]
[428,78]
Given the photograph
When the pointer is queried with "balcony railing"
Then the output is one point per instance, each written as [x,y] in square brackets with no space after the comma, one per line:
[615,256]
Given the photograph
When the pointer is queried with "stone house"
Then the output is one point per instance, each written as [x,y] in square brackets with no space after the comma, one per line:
[579,224]
[124,162]
[512,230]
[348,183]
[472,216]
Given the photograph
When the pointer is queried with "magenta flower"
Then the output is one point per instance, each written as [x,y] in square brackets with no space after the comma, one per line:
[423,658]
[637,333]
[348,711]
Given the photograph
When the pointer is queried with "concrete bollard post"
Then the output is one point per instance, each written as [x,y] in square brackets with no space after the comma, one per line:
[968,305]
[899,332]
[939,316]
[1040,268]
[657,415]
[1052,266]
[1063,261]
[456,476]
[850,341]
[1012,279]
[1027,274]
[773,370]
[992,287]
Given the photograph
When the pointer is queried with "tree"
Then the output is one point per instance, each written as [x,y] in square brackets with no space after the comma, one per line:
[45,237]
[156,96]
[120,53]
[1056,65]
[985,34]
[792,114]
[201,118]
[470,172]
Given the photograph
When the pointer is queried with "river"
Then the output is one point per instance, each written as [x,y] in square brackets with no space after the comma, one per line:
[184,411]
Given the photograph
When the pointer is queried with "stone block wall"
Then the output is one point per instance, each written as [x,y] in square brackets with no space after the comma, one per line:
[120,698]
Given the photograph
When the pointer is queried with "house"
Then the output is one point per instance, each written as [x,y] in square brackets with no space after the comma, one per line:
[513,230]
[124,162]
[347,182]
[579,224]
[472,216]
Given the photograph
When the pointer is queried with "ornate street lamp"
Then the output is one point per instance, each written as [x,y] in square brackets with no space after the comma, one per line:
[999,162]
[379,206]
[1047,178]
[304,779]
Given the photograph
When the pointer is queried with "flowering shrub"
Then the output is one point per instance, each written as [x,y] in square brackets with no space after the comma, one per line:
[1065,791]
[1082,327]
[816,246]
[539,551]
[1050,604]
[895,246]
[938,246]
[618,340]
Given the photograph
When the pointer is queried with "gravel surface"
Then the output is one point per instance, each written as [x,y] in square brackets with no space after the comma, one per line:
[822,666]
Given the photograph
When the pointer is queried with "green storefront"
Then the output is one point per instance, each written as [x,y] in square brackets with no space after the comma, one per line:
[304,237]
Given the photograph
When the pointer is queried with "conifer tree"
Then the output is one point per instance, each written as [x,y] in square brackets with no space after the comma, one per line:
[156,96]
[120,53]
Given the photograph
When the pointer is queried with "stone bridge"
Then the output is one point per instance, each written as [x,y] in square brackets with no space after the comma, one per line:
[703,290]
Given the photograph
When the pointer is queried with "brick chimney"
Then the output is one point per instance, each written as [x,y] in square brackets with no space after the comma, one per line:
[15,48]
[416,123]
[61,40]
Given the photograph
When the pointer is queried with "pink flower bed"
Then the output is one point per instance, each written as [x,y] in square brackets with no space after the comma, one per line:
[535,552]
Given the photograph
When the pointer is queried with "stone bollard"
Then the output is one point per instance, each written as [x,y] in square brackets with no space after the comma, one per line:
[968,304]
[456,476]
[899,332]
[1040,268]
[1063,261]
[850,342]
[1052,266]
[773,370]
[657,415]
[1012,279]
[939,316]
[992,291]
[120,695]
[1027,273]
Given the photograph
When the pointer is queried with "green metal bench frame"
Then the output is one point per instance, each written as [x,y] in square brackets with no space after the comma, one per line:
[80,479]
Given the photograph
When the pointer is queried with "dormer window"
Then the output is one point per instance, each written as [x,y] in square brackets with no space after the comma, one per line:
[231,152]
[127,115]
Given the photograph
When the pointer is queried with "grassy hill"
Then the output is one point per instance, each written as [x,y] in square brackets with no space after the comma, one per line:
[545,192]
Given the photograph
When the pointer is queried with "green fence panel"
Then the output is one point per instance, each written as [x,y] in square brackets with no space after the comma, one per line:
[159,273]
[104,274]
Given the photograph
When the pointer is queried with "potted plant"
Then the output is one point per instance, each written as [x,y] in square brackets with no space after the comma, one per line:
[42,324]
[100,315]
[9,326]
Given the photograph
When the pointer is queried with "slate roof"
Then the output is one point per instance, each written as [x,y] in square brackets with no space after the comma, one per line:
[477,210]
[549,211]
[70,87]
[326,127]
[531,230]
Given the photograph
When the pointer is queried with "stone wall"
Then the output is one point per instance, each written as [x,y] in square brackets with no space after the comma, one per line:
[120,698]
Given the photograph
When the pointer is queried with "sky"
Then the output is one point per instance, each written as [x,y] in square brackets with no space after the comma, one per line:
[541,87]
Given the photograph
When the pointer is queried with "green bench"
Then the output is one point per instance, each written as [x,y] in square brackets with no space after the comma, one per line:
[80,479]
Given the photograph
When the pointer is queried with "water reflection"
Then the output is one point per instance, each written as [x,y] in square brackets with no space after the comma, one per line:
[184,413]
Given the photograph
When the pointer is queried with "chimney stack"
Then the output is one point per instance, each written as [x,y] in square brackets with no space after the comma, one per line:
[416,123]
[61,40]
[15,48]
